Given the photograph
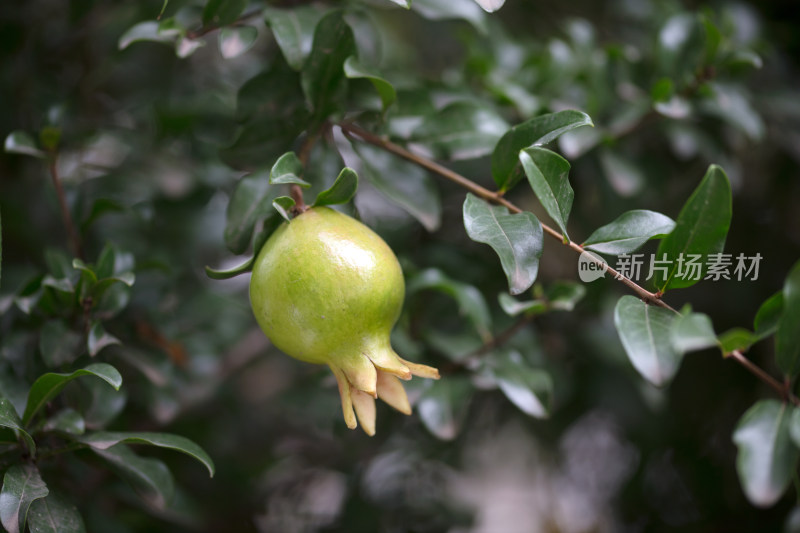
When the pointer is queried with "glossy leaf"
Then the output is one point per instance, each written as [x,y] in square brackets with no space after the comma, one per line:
[513,307]
[442,406]
[787,337]
[150,478]
[469,299]
[732,105]
[19,142]
[701,228]
[403,183]
[564,295]
[55,514]
[353,69]
[768,315]
[548,174]
[47,386]
[102,440]
[287,171]
[99,338]
[490,5]
[736,339]
[294,31]
[323,77]
[283,205]
[402,3]
[517,239]
[645,332]
[22,485]
[251,201]
[58,344]
[462,130]
[241,268]
[342,190]
[148,31]
[766,455]
[66,421]
[234,41]
[534,132]
[629,231]
[530,389]
[693,331]
[452,9]
[222,12]
[10,419]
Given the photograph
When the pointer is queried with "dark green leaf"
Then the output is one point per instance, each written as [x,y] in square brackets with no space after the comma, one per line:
[66,421]
[470,300]
[22,485]
[548,174]
[693,331]
[49,137]
[222,12]
[462,130]
[234,41]
[150,478]
[323,78]
[680,45]
[736,339]
[147,31]
[645,332]
[513,307]
[55,514]
[443,405]
[104,405]
[251,201]
[528,388]
[517,239]
[700,230]
[769,315]
[294,31]
[103,440]
[353,69]
[287,171]
[787,337]
[342,190]
[100,207]
[283,205]
[403,183]
[47,386]
[536,131]
[99,338]
[732,105]
[59,344]
[232,272]
[452,9]
[10,419]
[629,231]
[19,142]
[766,457]
[564,295]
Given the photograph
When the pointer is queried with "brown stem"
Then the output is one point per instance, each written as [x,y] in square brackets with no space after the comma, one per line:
[72,235]
[503,337]
[297,195]
[351,130]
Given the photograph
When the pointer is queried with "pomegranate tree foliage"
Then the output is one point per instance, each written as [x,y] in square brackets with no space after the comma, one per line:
[148,140]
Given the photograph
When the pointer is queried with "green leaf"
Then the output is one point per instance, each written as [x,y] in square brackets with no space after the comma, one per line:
[222,12]
[102,440]
[402,3]
[534,132]
[680,45]
[283,205]
[564,295]
[353,69]
[645,332]
[787,337]
[342,190]
[624,175]
[323,79]
[443,405]
[517,239]
[629,231]
[490,6]
[452,9]
[150,478]
[769,315]
[22,485]
[104,405]
[232,272]
[10,419]
[732,105]
[693,331]
[55,514]
[462,130]
[766,457]
[548,174]
[1,247]
[287,171]
[469,299]
[99,338]
[513,307]
[736,339]
[251,201]
[528,388]
[403,183]
[701,229]
[47,386]
[19,142]
[294,31]
[59,344]
[66,421]
[147,31]
[234,41]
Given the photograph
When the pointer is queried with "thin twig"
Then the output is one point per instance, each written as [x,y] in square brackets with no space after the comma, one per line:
[72,235]
[351,130]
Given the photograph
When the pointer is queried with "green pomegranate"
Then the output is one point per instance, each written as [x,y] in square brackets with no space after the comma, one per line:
[326,289]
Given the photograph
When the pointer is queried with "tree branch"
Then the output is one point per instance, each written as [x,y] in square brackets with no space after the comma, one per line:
[351,130]
[72,235]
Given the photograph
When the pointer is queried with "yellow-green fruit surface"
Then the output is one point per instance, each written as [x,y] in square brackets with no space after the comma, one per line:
[326,288]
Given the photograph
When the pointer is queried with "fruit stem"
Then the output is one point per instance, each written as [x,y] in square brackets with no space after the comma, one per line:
[297,195]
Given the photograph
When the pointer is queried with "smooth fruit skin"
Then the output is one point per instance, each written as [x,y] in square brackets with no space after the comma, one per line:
[327,289]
